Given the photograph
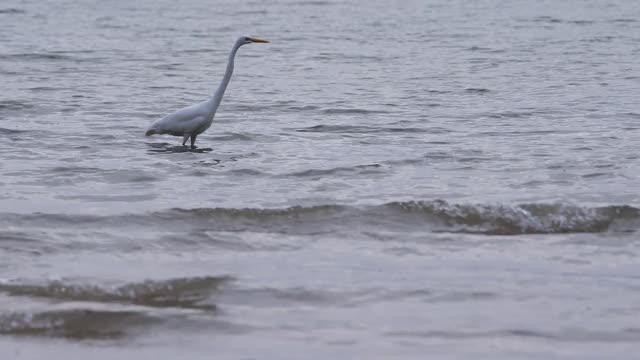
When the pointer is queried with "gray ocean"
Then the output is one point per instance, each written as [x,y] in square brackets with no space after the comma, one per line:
[384,180]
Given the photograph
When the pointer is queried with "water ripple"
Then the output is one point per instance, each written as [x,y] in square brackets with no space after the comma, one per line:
[189,293]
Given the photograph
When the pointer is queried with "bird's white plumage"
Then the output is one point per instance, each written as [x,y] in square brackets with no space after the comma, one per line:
[193,120]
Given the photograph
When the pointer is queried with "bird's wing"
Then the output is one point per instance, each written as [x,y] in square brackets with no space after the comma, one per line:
[185,120]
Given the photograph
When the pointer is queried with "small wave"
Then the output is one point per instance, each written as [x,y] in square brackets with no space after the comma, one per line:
[581,22]
[599,39]
[578,335]
[441,216]
[45,88]
[233,136]
[519,133]
[51,56]
[485,49]
[437,92]
[251,172]
[547,19]
[12,11]
[36,56]
[74,324]
[103,198]
[188,293]
[5,131]
[167,66]
[522,219]
[480,91]
[596,174]
[624,20]
[359,129]
[358,169]
[426,158]
[430,216]
[352,111]
[269,296]
[75,170]
[553,20]
[510,115]
[252,12]
[248,108]
[14,105]
[263,213]
[301,108]
[313,3]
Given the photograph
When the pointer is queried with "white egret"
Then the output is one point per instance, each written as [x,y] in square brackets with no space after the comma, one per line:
[191,121]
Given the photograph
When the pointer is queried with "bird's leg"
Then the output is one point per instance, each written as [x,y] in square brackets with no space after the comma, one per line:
[193,141]
[185,137]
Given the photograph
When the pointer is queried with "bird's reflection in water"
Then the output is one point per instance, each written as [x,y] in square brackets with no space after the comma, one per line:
[175,149]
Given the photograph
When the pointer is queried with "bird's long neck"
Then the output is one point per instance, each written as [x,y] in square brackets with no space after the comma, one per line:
[217,96]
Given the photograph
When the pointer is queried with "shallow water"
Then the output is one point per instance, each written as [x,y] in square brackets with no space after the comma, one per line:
[381,181]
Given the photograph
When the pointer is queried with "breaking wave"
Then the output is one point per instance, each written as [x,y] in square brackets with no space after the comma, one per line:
[524,218]
[428,216]
[441,216]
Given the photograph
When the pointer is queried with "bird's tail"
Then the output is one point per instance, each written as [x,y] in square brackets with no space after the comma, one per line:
[150,132]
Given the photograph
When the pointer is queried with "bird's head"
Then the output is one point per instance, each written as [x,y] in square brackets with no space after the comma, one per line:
[243,40]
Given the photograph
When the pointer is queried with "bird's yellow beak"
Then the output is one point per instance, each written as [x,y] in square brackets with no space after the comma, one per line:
[256,40]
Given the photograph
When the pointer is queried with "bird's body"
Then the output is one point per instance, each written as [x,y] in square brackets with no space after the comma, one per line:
[188,122]
[191,121]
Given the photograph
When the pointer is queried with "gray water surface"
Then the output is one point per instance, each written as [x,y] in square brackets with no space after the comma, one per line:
[441,179]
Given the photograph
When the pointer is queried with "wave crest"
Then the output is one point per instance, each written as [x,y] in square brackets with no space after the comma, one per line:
[437,216]
[425,216]
[533,218]
[188,293]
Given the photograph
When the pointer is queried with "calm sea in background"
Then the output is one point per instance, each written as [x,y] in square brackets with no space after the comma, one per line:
[413,179]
